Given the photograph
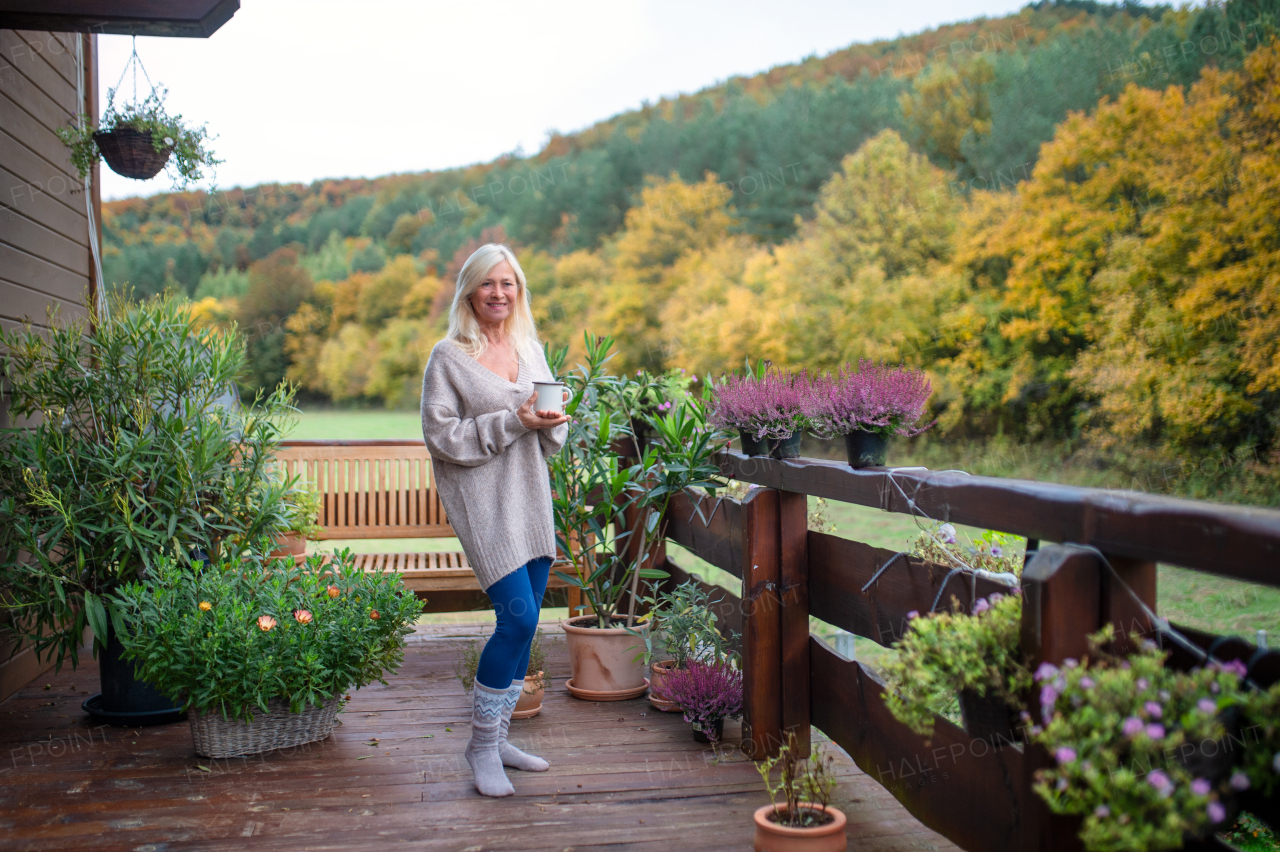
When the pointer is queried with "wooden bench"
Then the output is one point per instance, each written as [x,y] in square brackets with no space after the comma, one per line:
[384,490]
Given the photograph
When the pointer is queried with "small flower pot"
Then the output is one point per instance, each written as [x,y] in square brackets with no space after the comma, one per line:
[986,717]
[130,153]
[602,661]
[289,544]
[530,702]
[702,735]
[785,448]
[866,449]
[773,837]
[658,673]
[751,445]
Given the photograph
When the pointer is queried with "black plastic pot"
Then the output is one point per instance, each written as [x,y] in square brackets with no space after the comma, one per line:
[125,700]
[701,736]
[866,449]
[751,446]
[785,448]
[986,717]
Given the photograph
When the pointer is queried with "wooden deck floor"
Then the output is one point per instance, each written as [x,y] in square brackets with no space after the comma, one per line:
[623,777]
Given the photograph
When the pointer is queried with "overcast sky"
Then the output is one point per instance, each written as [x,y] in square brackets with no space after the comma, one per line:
[298,91]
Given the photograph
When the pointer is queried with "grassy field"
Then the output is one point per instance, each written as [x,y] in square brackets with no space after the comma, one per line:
[1188,597]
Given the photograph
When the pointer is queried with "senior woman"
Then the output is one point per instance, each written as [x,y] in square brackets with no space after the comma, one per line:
[488,456]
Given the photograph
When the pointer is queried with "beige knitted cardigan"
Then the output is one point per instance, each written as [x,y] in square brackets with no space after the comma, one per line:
[490,470]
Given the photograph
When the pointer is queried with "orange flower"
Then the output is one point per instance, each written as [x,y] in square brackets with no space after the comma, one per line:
[265,623]
[374,615]
[205,606]
[302,615]
[334,591]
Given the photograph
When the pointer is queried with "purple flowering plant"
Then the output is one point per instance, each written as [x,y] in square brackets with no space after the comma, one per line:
[708,692]
[873,397]
[1132,746]
[765,403]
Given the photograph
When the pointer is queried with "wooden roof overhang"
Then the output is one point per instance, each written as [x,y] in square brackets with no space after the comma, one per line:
[173,18]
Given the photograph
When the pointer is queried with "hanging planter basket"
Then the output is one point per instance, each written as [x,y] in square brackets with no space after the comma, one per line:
[131,153]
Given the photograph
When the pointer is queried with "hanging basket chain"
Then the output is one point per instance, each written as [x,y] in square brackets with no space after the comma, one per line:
[135,62]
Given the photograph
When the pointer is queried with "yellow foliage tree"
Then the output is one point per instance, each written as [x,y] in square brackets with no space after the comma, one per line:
[946,103]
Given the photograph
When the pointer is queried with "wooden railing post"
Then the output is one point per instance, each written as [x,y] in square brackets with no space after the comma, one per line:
[793,541]
[761,625]
[1119,607]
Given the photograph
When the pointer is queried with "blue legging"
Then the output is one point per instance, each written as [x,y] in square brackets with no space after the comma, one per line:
[517,600]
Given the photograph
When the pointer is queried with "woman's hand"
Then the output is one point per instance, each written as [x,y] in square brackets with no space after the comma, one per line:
[539,419]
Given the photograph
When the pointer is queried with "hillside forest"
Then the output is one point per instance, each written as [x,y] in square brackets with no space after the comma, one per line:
[1067,216]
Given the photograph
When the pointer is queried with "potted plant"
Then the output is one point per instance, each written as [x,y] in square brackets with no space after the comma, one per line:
[302,505]
[262,652]
[620,508]
[139,452]
[867,406]
[1148,756]
[770,409]
[970,659]
[708,693]
[138,140]
[535,679]
[804,820]
[647,395]
[682,628]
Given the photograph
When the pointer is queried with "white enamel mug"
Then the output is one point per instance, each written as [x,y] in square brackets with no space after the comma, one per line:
[550,396]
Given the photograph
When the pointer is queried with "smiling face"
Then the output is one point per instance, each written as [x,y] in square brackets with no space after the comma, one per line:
[495,298]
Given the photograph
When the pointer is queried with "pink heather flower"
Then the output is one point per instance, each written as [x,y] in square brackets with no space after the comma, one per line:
[1207,705]
[1048,695]
[1235,667]
[995,598]
[775,406]
[913,614]
[980,605]
[1132,726]
[1102,811]
[997,551]
[1065,754]
[706,692]
[1201,787]
[1070,662]
[1217,813]
[1160,780]
[1142,683]
[1155,731]
[1046,671]
[874,397]
[1239,781]
[1154,710]
[1086,682]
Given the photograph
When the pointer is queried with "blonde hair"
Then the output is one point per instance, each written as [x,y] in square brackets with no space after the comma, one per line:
[464,329]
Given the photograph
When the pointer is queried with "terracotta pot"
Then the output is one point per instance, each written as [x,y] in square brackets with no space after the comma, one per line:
[603,661]
[289,544]
[530,702]
[772,837]
[658,673]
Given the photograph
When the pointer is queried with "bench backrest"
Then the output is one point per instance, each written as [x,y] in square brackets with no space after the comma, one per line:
[371,489]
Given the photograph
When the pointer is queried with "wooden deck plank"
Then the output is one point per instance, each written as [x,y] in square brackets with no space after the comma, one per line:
[644,784]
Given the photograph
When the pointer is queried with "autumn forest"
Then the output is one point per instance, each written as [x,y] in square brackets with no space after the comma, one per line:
[1066,216]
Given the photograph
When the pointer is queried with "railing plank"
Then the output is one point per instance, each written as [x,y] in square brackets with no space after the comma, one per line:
[720,542]
[1233,541]
[839,568]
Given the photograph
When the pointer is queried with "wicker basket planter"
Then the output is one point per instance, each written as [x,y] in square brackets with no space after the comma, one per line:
[131,153]
[216,736]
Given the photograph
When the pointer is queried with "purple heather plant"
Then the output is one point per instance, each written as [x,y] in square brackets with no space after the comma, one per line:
[775,405]
[707,692]
[873,398]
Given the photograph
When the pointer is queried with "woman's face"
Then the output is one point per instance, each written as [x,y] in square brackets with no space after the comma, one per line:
[495,298]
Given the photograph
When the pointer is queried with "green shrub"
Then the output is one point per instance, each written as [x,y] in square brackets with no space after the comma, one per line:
[230,636]
[140,452]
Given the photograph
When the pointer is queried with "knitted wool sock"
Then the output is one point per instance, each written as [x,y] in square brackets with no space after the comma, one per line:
[482,750]
[512,756]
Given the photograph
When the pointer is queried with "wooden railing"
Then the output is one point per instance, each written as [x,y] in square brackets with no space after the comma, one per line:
[1101,570]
